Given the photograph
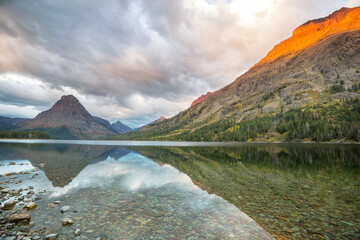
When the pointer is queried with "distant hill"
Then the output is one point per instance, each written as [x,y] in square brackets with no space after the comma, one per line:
[8,123]
[118,126]
[67,119]
[102,121]
[297,91]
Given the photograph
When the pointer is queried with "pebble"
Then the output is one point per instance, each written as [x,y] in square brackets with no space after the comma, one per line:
[9,204]
[77,232]
[5,190]
[52,236]
[30,205]
[67,221]
[64,209]
[16,217]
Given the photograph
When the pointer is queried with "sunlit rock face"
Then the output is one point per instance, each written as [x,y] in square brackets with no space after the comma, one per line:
[313,31]
[201,98]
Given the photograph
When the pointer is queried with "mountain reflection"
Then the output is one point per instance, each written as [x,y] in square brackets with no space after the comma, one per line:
[299,183]
[61,163]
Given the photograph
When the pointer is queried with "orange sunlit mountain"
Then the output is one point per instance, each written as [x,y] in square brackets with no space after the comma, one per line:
[312,31]
[319,64]
[201,98]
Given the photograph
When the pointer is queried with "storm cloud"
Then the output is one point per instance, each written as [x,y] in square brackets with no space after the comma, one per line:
[136,60]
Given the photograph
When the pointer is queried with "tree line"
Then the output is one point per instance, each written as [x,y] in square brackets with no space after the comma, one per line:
[24,135]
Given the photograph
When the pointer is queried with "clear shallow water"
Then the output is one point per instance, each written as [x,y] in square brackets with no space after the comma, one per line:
[297,191]
[117,193]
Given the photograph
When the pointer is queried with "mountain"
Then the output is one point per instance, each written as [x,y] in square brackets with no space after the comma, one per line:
[201,98]
[297,91]
[311,32]
[7,123]
[102,121]
[67,119]
[120,127]
[160,119]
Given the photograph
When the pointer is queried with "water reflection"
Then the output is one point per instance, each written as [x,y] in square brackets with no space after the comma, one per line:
[118,193]
[296,191]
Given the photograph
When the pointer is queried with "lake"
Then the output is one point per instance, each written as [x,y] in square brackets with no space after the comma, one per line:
[181,190]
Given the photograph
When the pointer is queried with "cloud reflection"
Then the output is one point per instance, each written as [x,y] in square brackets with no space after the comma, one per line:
[135,171]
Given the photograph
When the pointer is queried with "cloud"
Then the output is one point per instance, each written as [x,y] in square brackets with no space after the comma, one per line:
[141,59]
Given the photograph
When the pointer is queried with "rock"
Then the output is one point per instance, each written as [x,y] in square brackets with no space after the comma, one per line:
[67,221]
[57,202]
[21,198]
[36,237]
[31,187]
[5,190]
[64,209]
[77,232]
[52,236]
[10,238]
[9,204]
[11,163]
[31,224]
[30,205]
[17,217]
[291,230]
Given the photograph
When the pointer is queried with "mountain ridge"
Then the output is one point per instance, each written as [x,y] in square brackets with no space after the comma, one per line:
[201,98]
[313,31]
[319,73]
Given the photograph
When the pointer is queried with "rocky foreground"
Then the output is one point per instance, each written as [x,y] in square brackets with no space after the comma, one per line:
[17,206]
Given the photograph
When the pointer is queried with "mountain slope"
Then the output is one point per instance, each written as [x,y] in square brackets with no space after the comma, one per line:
[311,32]
[120,127]
[67,119]
[322,72]
[201,98]
[7,123]
[102,121]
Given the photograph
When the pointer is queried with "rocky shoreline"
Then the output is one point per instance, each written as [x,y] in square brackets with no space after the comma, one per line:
[17,206]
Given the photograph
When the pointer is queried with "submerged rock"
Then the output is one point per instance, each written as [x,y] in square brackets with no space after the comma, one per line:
[9,204]
[5,190]
[64,209]
[77,232]
[67,221]
[17,217]
[30,205]
[52,236]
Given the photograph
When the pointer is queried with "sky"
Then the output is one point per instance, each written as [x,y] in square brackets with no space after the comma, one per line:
[137,60]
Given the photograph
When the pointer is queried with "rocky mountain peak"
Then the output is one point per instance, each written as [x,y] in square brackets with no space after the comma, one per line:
[313,31]
[68,118]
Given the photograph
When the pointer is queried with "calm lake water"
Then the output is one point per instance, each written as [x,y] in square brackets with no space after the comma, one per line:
[187,190]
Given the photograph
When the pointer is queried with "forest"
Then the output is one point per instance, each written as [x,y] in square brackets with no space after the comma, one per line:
[24,135]
[318,123]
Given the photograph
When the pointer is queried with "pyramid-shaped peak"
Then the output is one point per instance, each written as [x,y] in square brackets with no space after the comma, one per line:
[68,98]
